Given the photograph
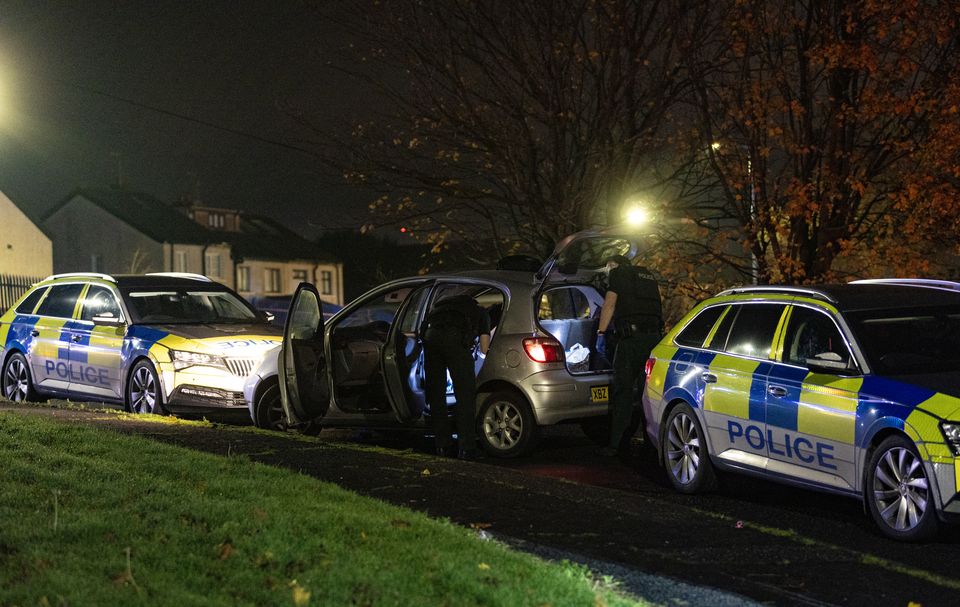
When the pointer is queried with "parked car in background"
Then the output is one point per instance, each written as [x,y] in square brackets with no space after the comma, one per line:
[154,343]
[852,389]
[277,306]
[364,366]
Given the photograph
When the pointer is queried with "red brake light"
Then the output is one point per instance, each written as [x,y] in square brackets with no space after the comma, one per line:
[543,349]
[648,369]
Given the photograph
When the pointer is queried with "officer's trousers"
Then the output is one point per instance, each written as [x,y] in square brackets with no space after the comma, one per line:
[446,351]
[629,360]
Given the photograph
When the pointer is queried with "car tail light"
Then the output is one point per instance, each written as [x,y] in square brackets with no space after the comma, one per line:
[543,349]
[648,369]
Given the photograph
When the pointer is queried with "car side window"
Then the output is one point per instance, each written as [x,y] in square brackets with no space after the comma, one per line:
[100,301]
[753,330]
[30,302]
[813,334]
[61,301]
[697,330]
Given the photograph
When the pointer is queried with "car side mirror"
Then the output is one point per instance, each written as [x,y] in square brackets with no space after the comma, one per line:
[107,320]
[829,363]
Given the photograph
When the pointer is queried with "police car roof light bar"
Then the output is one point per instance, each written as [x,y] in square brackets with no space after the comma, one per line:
[186,275]
[81,275]
[780,289]
[931,283]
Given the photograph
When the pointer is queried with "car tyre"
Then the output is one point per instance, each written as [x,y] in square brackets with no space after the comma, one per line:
[268,410]
[898,492]
[143,390]
[506,426]
[17,381]
[684,451]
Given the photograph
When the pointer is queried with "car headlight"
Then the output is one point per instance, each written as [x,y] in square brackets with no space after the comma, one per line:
[951,432]
[183,359]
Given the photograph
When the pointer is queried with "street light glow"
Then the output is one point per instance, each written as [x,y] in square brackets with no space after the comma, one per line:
[636,215]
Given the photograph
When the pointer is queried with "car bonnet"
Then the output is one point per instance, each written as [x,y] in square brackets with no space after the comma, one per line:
[235,340]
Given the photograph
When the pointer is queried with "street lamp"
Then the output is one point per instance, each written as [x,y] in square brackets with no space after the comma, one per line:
[754,264]
[636,215]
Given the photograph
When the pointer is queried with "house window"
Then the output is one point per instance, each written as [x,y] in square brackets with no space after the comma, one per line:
[96,263]
[299,276]
[213,265]
[180,264]
[326,283]
[243,278]
[215,220]
[271,279]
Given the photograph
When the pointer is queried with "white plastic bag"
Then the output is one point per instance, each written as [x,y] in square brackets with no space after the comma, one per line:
[577,354]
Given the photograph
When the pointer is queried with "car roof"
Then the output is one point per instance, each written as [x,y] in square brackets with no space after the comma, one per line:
[140,281]
[851,297]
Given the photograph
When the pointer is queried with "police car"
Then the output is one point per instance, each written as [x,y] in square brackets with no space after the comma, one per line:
[154,343]
[853,389]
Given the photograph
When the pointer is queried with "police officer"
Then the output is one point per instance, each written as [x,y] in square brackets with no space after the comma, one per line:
[632,310]
[449,333]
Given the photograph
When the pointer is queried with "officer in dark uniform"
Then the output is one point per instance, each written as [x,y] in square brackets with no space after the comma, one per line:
[449,333]
[632,310]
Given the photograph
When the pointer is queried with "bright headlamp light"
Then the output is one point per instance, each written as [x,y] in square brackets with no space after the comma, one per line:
[951,432]
[183,359]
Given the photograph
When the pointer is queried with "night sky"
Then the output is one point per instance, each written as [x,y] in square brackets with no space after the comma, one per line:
[233,64]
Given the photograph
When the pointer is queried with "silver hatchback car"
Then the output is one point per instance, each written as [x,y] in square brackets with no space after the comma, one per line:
[364,367]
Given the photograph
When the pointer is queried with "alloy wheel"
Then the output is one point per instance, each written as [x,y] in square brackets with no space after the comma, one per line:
[503,425]
[143,391]
[683,452]
[275,415]
[900,489]
[16,384]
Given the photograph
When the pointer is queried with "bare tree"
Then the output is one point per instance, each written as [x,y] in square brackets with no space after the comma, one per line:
[511,123]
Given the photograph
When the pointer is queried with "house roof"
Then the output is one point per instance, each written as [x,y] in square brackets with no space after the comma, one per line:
[263,238]
[259,237]
[144,213]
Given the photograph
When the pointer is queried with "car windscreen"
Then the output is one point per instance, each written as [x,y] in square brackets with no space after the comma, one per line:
[181,306]
[909,341]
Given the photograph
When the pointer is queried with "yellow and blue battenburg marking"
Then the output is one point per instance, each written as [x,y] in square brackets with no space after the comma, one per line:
[71,352]
[815,420]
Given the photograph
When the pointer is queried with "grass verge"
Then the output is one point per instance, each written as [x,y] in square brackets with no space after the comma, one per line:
[89,517]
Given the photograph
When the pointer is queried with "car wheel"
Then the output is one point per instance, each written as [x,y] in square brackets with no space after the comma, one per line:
[898,491]
[268,410]
[143,390]
[685,454]
[597,429]
[506,425]
[17,382]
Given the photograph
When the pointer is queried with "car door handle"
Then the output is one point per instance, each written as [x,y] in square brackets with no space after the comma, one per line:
[778,391]
[709,378]
[35,333]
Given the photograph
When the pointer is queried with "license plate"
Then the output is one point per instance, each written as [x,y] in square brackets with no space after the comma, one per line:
[599,394]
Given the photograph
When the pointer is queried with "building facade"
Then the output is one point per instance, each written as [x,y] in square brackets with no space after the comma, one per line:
[25,250]
[120,232]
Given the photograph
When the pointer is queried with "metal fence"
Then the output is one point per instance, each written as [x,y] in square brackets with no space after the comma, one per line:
[12,288]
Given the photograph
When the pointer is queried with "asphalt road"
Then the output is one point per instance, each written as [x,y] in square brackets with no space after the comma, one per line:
[760,540]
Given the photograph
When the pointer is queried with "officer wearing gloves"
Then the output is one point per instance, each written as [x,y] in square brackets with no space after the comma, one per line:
[449,333]
[632,312]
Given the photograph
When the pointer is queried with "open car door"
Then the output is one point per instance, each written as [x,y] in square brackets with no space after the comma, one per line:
[581,255]
[402,356]
[304,384]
